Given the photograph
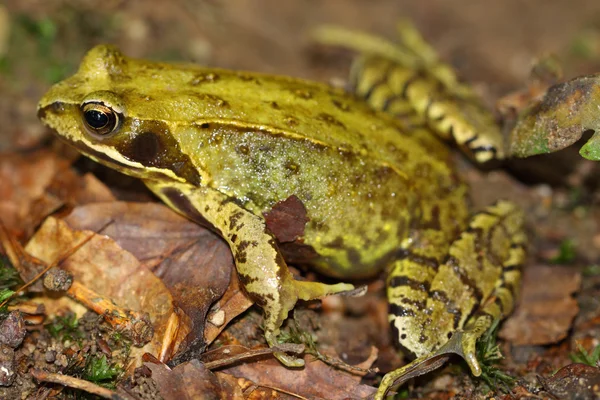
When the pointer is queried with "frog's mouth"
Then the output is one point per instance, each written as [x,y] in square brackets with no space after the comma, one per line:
[106,160]
[103,158]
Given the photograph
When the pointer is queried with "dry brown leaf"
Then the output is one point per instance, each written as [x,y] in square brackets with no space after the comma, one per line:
[546,309]
[233,302]
[248,390]
[194,263]
[575,381]
[316,380]
[106,268]
[24,179]
[190,380]
[33,185]
[76,190]
[287,219]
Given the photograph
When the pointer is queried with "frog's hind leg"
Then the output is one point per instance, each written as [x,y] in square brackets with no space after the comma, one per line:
[441,309]
[409,81]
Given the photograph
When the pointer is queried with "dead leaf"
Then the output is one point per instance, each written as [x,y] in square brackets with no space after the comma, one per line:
[76,190]
[106,268]
[190,380]
[546,309]
[23,182]
[316,380]
[575,381]
[33,185]
[194,263]
[234,302]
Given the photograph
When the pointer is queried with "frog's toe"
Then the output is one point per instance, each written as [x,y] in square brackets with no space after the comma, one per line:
[461,343]
[289,361]
[315,290]
[276,311]
[286,359]
[417,367]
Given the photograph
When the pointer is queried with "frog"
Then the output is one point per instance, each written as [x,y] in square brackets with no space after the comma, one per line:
[361,182]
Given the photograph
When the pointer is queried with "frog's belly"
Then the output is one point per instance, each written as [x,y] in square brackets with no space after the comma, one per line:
[359,242]
[350,239]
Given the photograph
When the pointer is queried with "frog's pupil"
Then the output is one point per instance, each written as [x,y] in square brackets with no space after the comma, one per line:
[96,119]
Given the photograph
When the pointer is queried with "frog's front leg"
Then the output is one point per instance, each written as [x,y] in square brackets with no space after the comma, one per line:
[259,263]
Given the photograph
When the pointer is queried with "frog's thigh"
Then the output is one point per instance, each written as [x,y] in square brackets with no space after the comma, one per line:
[259,264]
[477,284]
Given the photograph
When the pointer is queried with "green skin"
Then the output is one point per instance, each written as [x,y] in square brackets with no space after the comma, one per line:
[225,148]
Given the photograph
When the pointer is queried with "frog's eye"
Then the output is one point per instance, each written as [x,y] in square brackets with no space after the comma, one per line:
[99,119]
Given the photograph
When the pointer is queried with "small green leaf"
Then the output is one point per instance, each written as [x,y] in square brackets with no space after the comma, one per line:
[98,369]
[5,294]
[65,328]
[591,270]
[567,252]
[584,357]
[488,354]
[591,150]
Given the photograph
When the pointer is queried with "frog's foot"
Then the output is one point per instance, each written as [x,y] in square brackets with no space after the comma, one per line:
[419,366]
[276,312]
[461,343]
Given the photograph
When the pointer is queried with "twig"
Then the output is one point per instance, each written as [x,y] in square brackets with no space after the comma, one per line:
[77,383]
[58,260]
[282,348]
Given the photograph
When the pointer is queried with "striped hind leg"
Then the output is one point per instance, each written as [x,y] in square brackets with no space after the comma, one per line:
[408,80]
[441,310]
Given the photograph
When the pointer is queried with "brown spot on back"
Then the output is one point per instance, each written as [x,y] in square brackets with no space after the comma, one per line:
[287,219]
[292,166]
[210,98]
[204,78]
[303,94]
[340,105]
[248,78]
[242,149]
[330,119]
[291,121]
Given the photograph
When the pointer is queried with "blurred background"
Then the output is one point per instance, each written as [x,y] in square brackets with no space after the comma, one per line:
[492,44]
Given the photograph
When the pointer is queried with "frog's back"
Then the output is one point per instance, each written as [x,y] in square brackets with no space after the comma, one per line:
[300,109]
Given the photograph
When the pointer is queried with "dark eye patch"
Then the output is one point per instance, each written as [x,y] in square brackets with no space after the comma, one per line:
[146,148]
[155,146]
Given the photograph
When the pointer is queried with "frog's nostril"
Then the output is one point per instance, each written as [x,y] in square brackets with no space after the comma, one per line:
[41,113]
[56,107]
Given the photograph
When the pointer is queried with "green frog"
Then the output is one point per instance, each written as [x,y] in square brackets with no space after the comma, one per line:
[291,171]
